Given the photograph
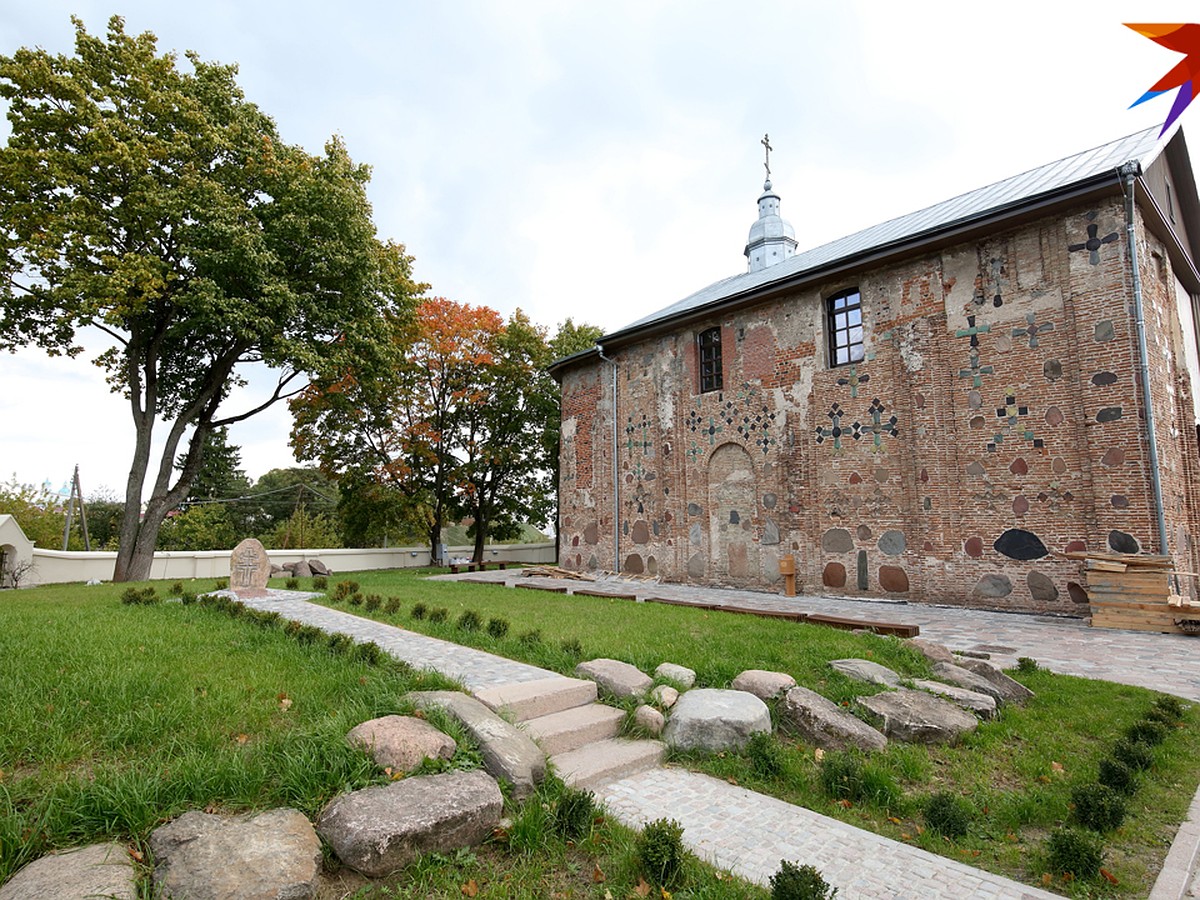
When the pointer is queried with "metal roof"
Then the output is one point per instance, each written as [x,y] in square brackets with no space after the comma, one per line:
[1016,191]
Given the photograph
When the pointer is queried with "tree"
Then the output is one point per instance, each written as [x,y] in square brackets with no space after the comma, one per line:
[38,511]
[203,527]
[160,208]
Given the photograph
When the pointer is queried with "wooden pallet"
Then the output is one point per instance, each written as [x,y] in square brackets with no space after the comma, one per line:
[1133,592]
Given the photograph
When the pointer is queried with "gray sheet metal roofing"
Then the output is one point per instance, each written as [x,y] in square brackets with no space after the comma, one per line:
[1142,146]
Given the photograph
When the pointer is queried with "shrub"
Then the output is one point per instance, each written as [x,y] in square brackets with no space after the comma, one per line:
[370,653]
[947,814]
[356,599]
[392,606]
[439,615]
[419,610]
[292,584]
[660,852]
[572,648]
[497,628]
[188,598]
[320,582]
[1074,852]
[766,757]
[470,621]
[1098,807]
[309,634]
[1172,706]
[1148,732]
[221,584]
[1117,775]
[574,813]
[292,628]
[793,882]
[373,602]
[1026,664]
[176,588]
[340,643]
[1135,754]
[146,596]
[531,638]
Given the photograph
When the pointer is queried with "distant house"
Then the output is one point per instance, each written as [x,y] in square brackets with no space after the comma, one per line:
[933,408]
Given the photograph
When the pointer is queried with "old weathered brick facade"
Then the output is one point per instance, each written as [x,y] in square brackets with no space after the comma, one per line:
[992,418]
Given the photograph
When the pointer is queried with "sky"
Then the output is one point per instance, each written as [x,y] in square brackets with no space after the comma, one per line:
[600,161]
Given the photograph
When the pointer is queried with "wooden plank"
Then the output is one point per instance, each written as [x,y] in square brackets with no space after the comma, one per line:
[896,628]
[588,592]
[1098,565]
[542,586]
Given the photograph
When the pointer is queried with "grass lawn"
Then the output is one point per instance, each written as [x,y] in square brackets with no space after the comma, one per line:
[1016,773]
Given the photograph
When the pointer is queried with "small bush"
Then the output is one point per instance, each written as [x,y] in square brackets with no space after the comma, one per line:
[188,598]
[292,584]
[370,653]
[373,602]
[419,610]
[320,582]
[146,596]
[660,852]
[497,628]
[340,643]
[292,628]
[1135,754]
[1026,665]
[1149,732]
[793,882]
[947,814]
[1172,706]
[470,621]
[356,599]
[766,756]
[439,615]
[1117,775]
[531,638]
[176,588]
[1098,806]
[221,584]
[574,813]
[1074,852]
[572,648]
[309,634]
[392,606]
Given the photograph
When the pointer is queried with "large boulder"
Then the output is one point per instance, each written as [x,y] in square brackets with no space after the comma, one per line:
[763,684]
[932,651]
[97,870]
[401,743]
[302,570]
[982,705]
[681,675]
[918,717]
[268,856]
[380,829]
[714,720]
[1011,690]
[319,568]
[866,671]
[508,752]
[822,723]
[618,678]
[965,678]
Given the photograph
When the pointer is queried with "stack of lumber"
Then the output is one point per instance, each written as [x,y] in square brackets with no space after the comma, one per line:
[1133,591]
[554,572]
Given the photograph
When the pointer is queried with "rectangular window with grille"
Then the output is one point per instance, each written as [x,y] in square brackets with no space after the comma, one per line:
[709,342]
[845,328]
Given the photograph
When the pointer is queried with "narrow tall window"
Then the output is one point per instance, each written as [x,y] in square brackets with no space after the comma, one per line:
[710,360]
[845,328]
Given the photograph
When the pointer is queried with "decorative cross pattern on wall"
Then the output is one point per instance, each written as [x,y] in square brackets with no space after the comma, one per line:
[973,331]
[835,430]
[751,424]
[744,414]
[1010,416]
[1032,330]
[878,426]
[1093,243]
[637,434]
[853,380]
[975,371]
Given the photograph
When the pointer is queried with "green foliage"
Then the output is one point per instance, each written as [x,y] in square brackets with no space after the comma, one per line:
[1117,775]
[203,527]
[320,582]
[1026,665]
[470,620]
[497,627]
[572,648]
[574,813]
[343,589]
[948,814]
[531,638]
[1135,754]
[844,776]
[795,882]
[292,584]
[660,852]
[371,653]
[1074,852]
[1171,706]
[340,643]
[372,602]
[146,596]
[355,599]
[766,757]
[1147,731]
[1098,806]
[176,588]
[38,512]
[277,495]
[439,615]
[221,584]
[419,611]
[304,530]
[392,606]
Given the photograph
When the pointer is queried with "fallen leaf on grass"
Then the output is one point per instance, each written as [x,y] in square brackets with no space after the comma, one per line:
[905,836]
[1109,876]
[642,889]
[1044,779]
[470,889]
[732,780]
[418,714]
[845,804]
[1046,879]
[818,754]
[1057,767]
[1010,837]
[608,895]
[285,704]
[894,820]
[597,874]
[137,855]
[241,738]
[666,895]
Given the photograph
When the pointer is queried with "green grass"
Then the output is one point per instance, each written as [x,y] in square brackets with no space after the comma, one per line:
[1015,772]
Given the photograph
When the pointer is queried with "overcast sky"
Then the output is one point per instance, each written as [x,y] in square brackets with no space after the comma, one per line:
[602,160]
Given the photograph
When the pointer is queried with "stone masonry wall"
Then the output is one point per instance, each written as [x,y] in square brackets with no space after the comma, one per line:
[994,421]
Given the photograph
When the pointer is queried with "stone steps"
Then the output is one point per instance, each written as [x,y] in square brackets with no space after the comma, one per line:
[607,760]
[533,699]
[571,729]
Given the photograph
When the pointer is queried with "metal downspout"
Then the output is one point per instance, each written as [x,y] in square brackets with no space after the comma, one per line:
[616,476]
[1130,171]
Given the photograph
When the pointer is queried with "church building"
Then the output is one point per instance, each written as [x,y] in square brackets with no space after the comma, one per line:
[936,408]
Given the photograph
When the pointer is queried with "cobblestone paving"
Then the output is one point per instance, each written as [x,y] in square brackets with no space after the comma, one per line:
[749,834]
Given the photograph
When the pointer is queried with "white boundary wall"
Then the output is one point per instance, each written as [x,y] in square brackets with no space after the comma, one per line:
[57,566]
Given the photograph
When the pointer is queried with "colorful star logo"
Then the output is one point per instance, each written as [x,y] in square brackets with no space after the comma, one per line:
[1182,39]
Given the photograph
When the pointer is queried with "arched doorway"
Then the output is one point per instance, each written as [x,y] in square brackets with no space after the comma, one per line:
[732,503]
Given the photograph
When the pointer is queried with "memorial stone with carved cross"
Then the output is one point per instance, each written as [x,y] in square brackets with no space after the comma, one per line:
[249,569]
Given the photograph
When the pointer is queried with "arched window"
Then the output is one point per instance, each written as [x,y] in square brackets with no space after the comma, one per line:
[844,315]
[709,342]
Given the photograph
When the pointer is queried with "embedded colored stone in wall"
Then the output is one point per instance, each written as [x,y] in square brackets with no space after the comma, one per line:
[1052,369]
[1075,546]
[834,575]
[1103,379]
[1076,592]
[1123,542]
[769,500]
[634,564]
[1109,414]
[892,543]
[1059,466]
[976,468]
[652,565]
[1104,331]
[734,518]
[1114,456]
[1054,417]
[863,532]
[919,401]
[1017,543]
[1119,501]
[696,534]
[575,541]
[1019,467]
[593,562]
[641,533]
[977,421]
[591,534]
[974,400]
[927,504]
[882,475]
[855,478]
[837,540]
[1041,588]
[654,528]
[694,509]
[974,547]
[993,587]
[863,583]
[1020,505]
[924,476]
[893,579]
[739,561]
[770,532]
